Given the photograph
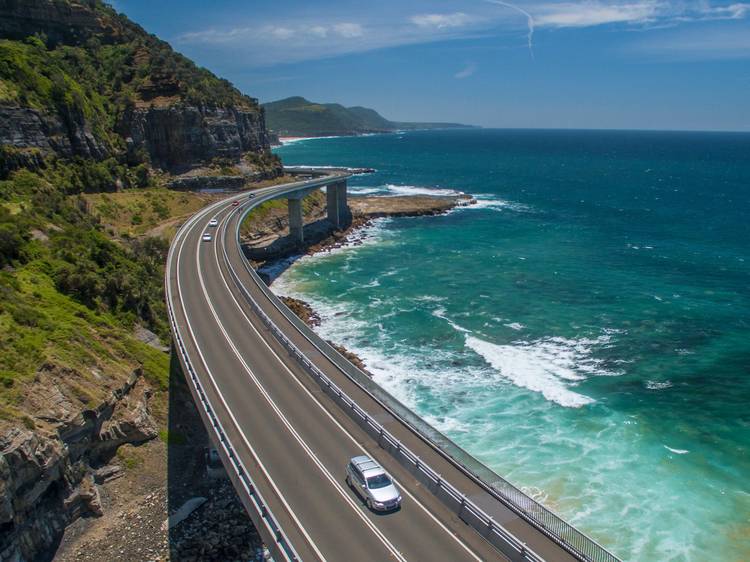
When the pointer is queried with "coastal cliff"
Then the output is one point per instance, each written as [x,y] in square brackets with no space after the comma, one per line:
[79,80]
[96,118]
[47,474]
[178,137]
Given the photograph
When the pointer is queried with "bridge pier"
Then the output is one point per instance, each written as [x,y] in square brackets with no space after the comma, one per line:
[338,206]
[296,220]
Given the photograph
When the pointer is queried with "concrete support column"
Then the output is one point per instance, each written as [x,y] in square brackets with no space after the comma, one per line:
[332,205]
[296,222]
[343,203]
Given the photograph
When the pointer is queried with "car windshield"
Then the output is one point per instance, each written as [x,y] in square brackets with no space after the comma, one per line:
[379,481]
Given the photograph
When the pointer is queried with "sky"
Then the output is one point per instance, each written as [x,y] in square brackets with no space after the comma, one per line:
[630,64]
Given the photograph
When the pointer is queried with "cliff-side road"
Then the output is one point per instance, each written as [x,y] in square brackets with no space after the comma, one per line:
[292,438]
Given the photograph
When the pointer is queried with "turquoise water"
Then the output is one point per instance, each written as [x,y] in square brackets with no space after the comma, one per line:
[582,330]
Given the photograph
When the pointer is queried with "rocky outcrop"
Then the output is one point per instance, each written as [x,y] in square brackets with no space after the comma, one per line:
[32,131]
[208,183]
[46,475]
[176,137]
[61,22]
[182,136]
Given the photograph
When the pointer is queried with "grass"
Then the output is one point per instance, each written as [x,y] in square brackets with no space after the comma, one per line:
[278,208]
[45,326]
[135,212]
[171,437]
[130,457]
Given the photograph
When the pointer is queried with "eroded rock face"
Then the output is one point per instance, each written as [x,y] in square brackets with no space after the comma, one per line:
[61,22]
[180,136]
[46,477]
[25,128]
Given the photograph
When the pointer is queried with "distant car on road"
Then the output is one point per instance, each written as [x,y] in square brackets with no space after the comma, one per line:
[235,203]
[213,222]
[251,196]
[373,483]
[206,236]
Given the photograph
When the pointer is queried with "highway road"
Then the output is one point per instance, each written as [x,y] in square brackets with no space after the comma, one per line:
[291,437]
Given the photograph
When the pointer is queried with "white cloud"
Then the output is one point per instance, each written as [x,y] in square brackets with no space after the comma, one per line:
[680,45]
[586,14]
[706,12]
[441,21]
[279,32]
[348,30]
[467,71]
[529,21]
[390,23]
[319,30]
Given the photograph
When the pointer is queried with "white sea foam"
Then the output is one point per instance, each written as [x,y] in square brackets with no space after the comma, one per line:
[363,190]
[291,140]
[430,298]
[677,451]
[393,189]
[274,269]
[440,313]
[374,233]
[491,202]
[515,326]
[658,385]
[545,366]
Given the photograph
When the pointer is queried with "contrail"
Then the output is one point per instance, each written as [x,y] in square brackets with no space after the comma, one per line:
[529,21]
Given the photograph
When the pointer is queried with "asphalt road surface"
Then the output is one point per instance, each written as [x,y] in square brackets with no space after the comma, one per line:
[293,439]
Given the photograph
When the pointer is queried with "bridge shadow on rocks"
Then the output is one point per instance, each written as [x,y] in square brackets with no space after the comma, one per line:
[319,232]
[214,525]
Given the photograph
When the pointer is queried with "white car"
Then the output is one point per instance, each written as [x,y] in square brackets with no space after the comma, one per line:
[370,481]
[213,222]
[206,236]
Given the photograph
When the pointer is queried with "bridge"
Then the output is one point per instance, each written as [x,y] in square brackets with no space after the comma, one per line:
[287,411]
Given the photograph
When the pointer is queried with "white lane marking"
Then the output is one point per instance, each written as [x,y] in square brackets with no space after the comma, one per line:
[220,239]
[276,489]
[377,532]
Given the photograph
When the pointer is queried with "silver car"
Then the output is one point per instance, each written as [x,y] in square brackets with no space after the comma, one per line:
[373,483]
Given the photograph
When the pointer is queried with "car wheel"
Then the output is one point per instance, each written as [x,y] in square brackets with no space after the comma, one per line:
[369,503]
[348,481]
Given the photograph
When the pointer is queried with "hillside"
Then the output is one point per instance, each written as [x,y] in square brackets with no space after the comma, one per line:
[79,80]
[96,116]
[297,116]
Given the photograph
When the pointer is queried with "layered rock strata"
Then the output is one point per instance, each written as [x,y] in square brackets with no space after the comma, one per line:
[47,476]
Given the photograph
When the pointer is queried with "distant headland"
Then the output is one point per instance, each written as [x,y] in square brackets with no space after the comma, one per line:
[299,117]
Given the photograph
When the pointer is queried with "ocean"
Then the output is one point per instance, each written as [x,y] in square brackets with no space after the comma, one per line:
[583,330]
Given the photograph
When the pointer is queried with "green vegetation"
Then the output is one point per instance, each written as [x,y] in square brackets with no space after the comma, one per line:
[171,437]
[260,214]
[136,212]
[91,79]
[69,295]
[83,239]
[100,71]
[297,116]
[130,457]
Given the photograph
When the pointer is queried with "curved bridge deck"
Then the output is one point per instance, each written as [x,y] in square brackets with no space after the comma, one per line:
[285,439]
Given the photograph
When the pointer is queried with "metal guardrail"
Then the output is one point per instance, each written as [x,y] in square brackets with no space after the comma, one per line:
[465,508]
[283,547]
[558,530]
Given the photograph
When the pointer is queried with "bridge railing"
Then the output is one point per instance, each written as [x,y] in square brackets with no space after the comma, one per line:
[282,547]
[554,527]
[465,508]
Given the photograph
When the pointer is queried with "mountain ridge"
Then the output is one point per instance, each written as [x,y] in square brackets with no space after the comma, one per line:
[298,116]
